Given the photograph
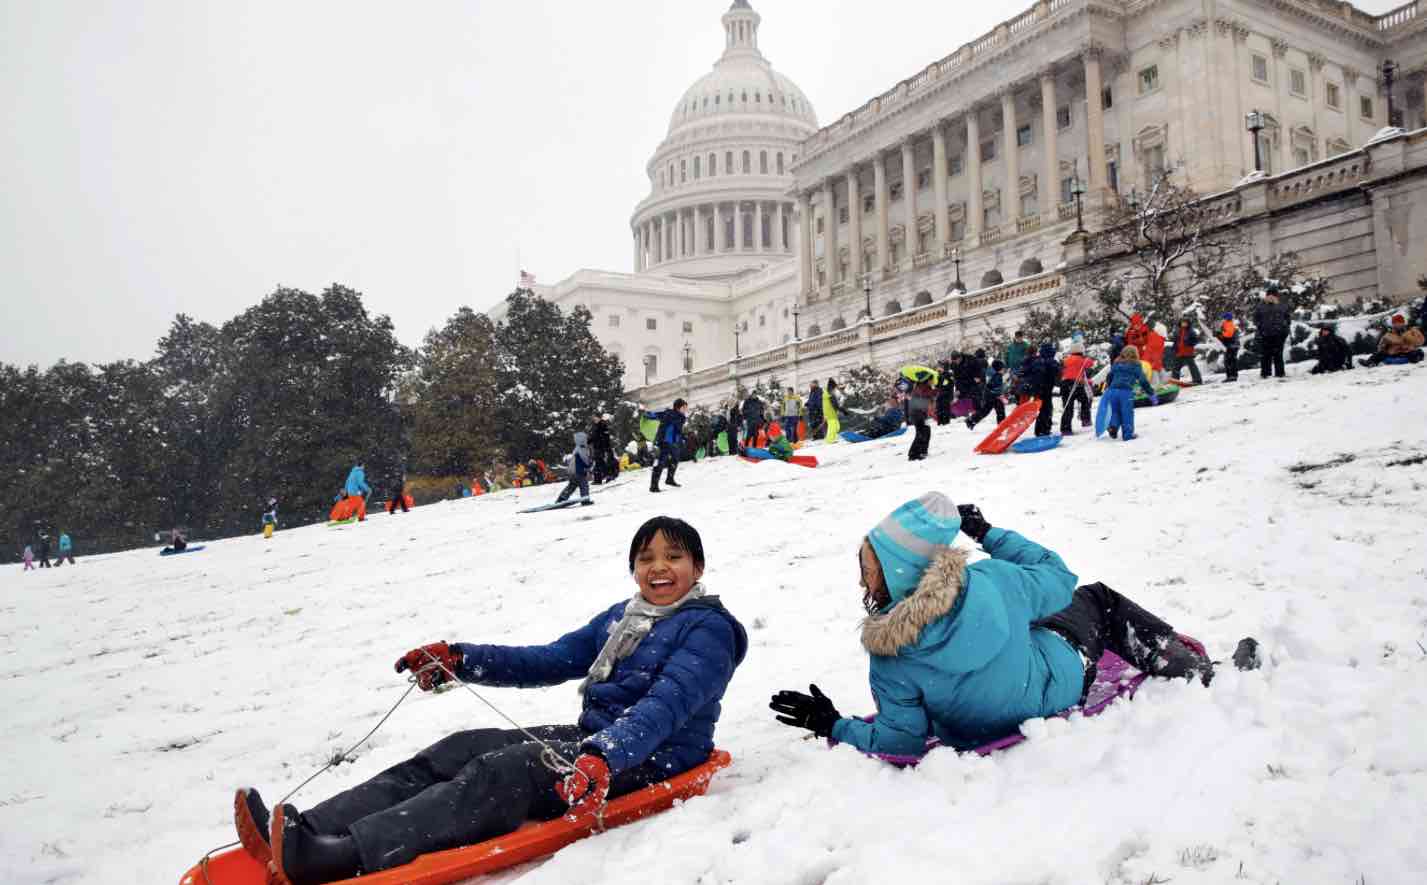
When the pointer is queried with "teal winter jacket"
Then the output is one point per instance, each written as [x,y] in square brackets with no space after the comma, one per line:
[959,659]
[357,482]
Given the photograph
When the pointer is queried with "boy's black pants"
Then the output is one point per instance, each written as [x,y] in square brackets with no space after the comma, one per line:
[581,482]
[1072,392]
[922,441]
[1046,416]
[667,460]
[465,788]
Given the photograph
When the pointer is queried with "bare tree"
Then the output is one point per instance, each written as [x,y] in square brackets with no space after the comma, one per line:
[1157,254]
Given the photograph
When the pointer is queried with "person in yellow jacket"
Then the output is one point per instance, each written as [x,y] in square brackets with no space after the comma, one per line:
[831,407]
[918,384]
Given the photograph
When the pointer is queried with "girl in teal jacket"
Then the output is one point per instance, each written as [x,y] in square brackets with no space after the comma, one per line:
[967,652]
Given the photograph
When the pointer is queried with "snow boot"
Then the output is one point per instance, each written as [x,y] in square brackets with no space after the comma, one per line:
[302,856]
[671,484]
[251,819]
[1114,433]
[1246,655]
[1177,659]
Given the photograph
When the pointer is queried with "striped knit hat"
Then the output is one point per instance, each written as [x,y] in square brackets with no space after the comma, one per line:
[909,538]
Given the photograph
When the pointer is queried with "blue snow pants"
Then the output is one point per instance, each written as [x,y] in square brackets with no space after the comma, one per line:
[1122,410]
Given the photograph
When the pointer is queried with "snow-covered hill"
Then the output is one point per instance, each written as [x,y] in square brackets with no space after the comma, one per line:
[138,692]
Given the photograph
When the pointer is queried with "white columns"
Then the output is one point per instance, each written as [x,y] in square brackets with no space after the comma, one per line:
[698,231]
[1050,163]
[1280,83]
[909,199]
[975,217]
[1011,194]
[758,226]
[779,233]
[830,257]
[854,226]
[943,221]
[1095,121]
[879,181]
[805,243]
[718,228]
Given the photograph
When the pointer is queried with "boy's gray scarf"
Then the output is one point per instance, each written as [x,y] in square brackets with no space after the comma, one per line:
[639,619]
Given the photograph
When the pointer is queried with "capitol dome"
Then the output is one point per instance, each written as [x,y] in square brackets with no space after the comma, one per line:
[718,204]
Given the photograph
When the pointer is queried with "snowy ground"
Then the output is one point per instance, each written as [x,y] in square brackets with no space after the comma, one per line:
[139,691]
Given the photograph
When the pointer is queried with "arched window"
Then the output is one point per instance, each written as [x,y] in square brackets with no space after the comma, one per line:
[780,162]
[713,165]
[747,162]
[745,96]
[717,98]
[763,162]
[923,297]
[697,160]
[892,307]
[671,173]
[991,278]
[651,367]
[728,163]
[1030,267]
[683,171]
[815,331]
[839,324]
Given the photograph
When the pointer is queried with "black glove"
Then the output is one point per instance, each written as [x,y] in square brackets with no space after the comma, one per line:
[973,523]
[813,712]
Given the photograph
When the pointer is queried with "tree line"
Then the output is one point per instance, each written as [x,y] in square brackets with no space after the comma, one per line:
[280,401]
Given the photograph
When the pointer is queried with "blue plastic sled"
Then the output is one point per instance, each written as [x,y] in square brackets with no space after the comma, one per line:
[559,505]
[169,551]
[1036,444]
[1102,416]
[853,436]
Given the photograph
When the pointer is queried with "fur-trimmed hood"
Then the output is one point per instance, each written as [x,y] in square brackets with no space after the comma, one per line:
[936,595]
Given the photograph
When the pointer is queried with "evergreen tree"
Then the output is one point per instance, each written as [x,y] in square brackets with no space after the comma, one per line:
[454,398]
[554,376]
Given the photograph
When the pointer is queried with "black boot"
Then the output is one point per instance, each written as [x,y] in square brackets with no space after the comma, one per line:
[670,481]
[305,857]
[253,823]
[1176,659]
[1246,656]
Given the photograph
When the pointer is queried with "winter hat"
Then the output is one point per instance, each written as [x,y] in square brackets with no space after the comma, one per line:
[1047,351]
[910,537]
[1077,346]
[1399,320]
[1226,315]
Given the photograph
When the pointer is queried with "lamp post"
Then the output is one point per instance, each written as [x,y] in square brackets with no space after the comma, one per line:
[1389,77]
[958,285]
[1253,120]
[1077,190]
[867,294]
[688,357]
[736,354]
[797,336]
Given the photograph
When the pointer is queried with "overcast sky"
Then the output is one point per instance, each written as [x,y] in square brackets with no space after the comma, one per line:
[166,156]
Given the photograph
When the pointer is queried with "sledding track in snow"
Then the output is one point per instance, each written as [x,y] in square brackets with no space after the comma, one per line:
[138,692]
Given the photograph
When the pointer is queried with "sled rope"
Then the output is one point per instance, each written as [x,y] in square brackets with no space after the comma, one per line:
[335,760]
[549,756]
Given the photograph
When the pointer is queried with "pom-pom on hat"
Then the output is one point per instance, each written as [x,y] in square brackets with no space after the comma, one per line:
[1399,320]
[910,537]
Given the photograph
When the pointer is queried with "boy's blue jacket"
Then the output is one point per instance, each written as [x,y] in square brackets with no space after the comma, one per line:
[671,426]
[660,704]
[1124,376]
[960,659]
[357,482]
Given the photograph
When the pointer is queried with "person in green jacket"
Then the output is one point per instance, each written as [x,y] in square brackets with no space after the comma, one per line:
[1017,352]
[966,652]
[792,411]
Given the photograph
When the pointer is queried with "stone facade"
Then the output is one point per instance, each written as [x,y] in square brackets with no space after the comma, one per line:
[962,178]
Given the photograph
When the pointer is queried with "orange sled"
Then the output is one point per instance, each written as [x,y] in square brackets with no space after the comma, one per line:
[531,842]
[1009,430]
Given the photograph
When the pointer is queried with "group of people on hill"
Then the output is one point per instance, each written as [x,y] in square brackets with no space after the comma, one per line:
[960,654]
[796,417]
[41,547]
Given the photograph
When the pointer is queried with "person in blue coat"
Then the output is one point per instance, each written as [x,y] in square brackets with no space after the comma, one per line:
[357,487]
[966,652]
[653,671]
[1117,406]
[670,440]
[580,462]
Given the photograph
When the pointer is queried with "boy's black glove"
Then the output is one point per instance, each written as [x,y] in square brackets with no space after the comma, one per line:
[813,712]
[973,523]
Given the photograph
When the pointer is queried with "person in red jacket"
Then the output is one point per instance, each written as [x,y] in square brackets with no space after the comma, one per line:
[1075,386]
[1185,340]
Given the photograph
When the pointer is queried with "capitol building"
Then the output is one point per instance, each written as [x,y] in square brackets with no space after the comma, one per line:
[765,237]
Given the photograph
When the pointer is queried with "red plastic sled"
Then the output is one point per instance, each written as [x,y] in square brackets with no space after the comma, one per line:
[1009,431]
[531,842]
